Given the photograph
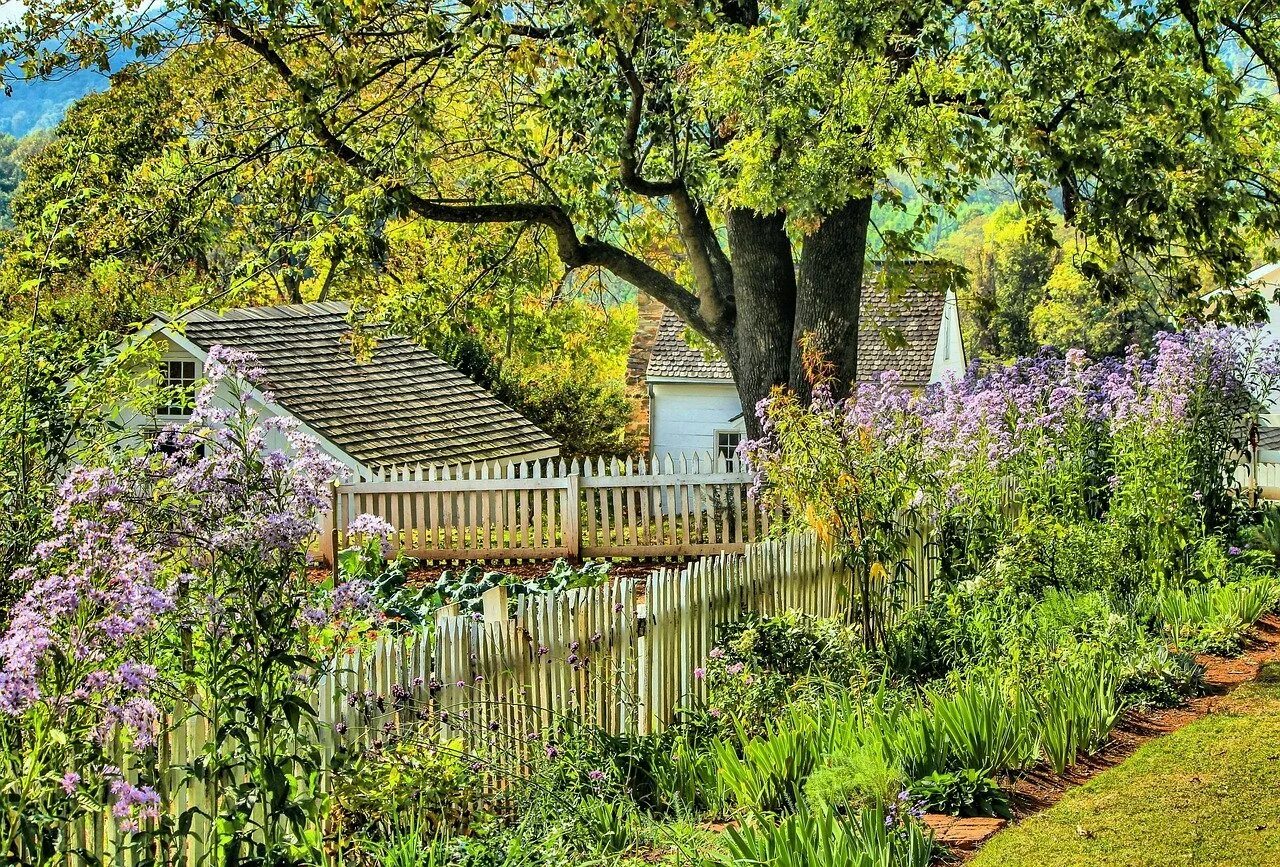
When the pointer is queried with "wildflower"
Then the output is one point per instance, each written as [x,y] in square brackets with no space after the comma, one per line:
[700,673]
[595,775]
[70,782]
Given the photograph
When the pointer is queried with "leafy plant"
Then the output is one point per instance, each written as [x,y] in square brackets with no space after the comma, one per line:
[987,723]
[873,837]
[849,781]
[1078,706]
[962,793]
[424,786]
[766,773]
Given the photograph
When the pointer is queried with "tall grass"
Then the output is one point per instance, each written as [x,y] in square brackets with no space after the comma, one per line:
[825,839]
[1078,706]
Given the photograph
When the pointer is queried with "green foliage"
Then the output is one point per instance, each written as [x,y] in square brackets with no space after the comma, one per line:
[795,645]
[811,838]
[1265,535]
[1212,617]
[761,665]
[1078,705]
[60,389]
[850,781]
[404,790]
[961,793]
[766,774]
[1052,553]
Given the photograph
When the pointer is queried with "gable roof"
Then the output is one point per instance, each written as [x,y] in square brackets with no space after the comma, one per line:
[914,313]
[403,405]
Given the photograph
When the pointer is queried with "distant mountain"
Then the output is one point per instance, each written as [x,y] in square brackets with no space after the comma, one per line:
[41,104]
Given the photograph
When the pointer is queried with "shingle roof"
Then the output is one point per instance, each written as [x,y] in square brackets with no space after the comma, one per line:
[914,314]
[673,356]
[1269,438]
[402,405]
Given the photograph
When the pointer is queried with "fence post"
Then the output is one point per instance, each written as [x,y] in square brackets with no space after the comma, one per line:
[493,602]
[572,513]
[333,531]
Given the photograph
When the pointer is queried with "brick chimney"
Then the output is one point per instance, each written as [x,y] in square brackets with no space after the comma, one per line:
[650,315]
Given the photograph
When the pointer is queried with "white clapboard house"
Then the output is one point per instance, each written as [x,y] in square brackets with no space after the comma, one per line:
[1266,280]
[685,398]
[399,405]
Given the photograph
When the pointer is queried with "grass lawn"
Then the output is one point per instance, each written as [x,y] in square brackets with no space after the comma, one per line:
[1207,794]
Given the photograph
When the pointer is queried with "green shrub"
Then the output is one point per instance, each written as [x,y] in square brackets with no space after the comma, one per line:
[765,774]
[869,838]
[961,793]
[1160,677]
[423,786]
[1213,617]
[1264,537]
[849,781]
[795,646]
[760,666]
[988,725]
[1045,552]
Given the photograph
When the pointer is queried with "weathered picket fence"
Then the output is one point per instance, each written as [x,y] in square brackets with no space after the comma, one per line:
[1266,476]
[675,507]
[623,656]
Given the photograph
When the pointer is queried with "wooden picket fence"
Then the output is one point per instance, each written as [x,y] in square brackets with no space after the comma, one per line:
[623,656]
[687,507]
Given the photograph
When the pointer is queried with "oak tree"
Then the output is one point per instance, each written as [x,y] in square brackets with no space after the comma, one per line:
[758,141]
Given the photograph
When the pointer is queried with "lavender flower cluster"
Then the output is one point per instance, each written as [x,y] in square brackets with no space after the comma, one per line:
[1032,415]
[129,539]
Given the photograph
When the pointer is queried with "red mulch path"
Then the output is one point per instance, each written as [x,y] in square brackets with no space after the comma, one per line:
[1041,788]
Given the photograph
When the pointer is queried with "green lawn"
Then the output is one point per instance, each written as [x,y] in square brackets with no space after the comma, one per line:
[1208,794]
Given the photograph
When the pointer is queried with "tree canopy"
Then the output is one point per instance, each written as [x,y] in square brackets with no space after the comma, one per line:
[727,157]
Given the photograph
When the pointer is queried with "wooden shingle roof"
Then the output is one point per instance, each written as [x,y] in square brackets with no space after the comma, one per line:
[401,405]
[913,314]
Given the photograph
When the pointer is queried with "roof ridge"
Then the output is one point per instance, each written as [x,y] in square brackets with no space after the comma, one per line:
[265,311]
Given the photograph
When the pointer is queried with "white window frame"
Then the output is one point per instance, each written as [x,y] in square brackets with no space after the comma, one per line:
[163,411]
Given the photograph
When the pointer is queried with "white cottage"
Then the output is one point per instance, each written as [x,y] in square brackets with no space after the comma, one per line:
[686,399]
[1266,280]
[401,405]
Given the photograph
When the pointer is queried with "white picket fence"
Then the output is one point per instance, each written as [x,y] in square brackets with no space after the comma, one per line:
[687,507]
[1266,477]
[623,656]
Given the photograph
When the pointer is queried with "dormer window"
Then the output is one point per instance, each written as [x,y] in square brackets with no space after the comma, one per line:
[178,380]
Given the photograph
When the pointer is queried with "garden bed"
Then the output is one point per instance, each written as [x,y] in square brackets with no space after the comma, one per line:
[1038,791]
[1204,794]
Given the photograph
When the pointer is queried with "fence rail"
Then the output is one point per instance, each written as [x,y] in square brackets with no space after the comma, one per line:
[687,507]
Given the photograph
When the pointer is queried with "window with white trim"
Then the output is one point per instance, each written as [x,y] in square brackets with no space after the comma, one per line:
[178,381]
[727,446]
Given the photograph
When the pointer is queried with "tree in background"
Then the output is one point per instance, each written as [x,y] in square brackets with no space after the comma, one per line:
[760,137]
[1025,289]
[143,201]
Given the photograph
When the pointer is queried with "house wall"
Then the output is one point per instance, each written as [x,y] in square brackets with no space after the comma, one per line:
[1267,281]
[948,355]
[685,416]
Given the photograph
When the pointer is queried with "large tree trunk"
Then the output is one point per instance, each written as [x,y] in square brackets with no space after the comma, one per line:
[764,288]
[776,304]
[829,295]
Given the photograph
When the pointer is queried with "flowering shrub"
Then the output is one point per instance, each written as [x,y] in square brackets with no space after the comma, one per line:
[177,582]
[1146,443]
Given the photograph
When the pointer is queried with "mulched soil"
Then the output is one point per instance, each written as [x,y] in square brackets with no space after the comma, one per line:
[524,570]
[1041,789]
[534,569]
